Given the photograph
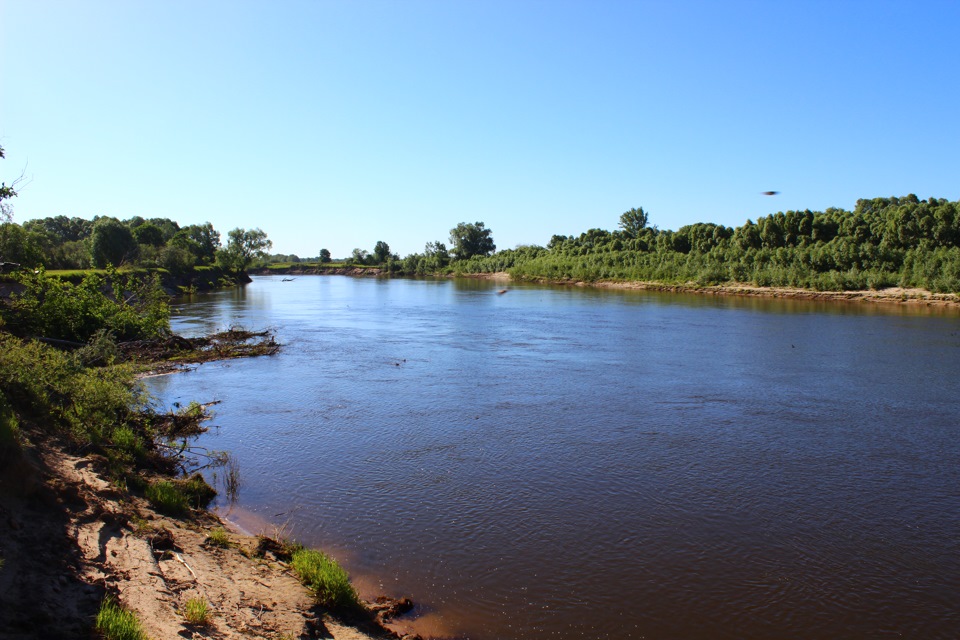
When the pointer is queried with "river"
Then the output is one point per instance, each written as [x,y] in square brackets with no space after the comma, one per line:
[578,463]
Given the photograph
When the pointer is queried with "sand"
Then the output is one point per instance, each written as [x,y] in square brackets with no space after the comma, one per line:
[68,537]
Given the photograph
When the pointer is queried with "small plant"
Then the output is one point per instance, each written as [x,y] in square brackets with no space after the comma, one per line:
[196,611]
[117,623]
[325,578]
[175,497]
[198,492]
[167,498]
[141,527]
[128,442]
[218,538]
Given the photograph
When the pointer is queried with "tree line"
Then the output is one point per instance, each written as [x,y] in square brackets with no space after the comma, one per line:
[60,242]
[883,242]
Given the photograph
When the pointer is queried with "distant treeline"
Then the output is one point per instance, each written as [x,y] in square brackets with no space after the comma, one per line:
[883,242]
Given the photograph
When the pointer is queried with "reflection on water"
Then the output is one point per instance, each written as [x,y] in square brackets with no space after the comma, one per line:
[564,462]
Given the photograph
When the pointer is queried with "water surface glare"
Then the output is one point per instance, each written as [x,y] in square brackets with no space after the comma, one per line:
[562,462]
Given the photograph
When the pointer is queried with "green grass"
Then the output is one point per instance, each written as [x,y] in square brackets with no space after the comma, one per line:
[218,538]
[167,498]
[325,578]
[175,497]
[116,623]
[196,611]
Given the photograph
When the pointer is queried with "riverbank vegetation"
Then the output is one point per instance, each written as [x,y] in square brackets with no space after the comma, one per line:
[74,413]
[884,242]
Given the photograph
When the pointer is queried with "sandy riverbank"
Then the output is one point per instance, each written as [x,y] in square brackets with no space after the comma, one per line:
[68,537]
[892,295]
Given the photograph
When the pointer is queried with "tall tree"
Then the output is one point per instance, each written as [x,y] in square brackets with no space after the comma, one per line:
[470,240]
[113,243]
[324,256]
[149,234]
[381,251]
[634,221]
[243,247]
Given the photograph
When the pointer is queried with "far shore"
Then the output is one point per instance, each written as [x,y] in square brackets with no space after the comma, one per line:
[891,295]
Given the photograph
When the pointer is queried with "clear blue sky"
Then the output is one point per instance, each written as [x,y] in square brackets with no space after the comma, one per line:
[338,124]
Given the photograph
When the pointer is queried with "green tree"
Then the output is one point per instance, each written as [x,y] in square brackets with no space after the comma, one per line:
[243,247]
[19,246]
[148,234]
[381,252]
[437,256]
[61,228]
[113,243]
[202,240]
[469,240]
[359,256]
[324,256]
[633,222]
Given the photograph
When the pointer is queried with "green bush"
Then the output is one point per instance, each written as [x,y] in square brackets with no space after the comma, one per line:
[128,307]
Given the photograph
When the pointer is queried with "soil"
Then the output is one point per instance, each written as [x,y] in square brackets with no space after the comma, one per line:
[891,295]
[68,538]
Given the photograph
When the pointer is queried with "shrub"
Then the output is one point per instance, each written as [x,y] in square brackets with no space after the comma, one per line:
[117,623]
[325,578]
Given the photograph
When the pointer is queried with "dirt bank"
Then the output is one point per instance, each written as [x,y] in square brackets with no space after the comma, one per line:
[68,537]
[892,295]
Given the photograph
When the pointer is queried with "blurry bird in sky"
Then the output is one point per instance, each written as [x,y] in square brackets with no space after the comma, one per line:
[770,193]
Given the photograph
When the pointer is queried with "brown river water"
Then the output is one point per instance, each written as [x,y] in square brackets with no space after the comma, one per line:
[573,463]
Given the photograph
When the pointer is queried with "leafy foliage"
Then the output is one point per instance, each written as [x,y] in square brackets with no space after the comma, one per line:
[883,242]
[243,247]
[469,240]
[128,307]
[113,243]
[633,222]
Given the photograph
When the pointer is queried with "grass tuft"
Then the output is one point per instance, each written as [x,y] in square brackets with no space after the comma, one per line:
[328,580]
[116,623]
[218,538]
[196,611]
[167,498]
[175,497]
